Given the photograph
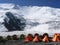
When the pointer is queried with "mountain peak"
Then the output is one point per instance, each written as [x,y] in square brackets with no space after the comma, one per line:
[9,6]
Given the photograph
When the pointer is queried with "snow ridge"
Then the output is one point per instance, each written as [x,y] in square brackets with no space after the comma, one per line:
[38,19]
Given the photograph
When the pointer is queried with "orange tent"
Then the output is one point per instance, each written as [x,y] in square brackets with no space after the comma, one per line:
[56,38]
[28,38]
[36,39]
[45,39]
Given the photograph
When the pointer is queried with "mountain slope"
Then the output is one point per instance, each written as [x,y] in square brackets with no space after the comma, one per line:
[37,19]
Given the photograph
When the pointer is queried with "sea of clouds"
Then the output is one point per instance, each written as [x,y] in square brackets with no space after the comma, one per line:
[39,19]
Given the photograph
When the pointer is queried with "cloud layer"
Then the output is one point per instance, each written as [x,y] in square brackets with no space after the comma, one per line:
[44,17]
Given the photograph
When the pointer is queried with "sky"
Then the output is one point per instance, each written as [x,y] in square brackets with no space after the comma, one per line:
[51,3]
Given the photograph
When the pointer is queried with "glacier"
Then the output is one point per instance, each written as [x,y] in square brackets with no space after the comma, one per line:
[38,19]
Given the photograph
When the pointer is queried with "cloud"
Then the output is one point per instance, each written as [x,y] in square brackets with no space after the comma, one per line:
[33,14]
[42,15]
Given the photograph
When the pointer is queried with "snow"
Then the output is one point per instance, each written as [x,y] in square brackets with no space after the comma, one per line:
[33,15]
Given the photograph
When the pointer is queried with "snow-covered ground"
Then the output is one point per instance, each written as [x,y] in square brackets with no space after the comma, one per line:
[39,19]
